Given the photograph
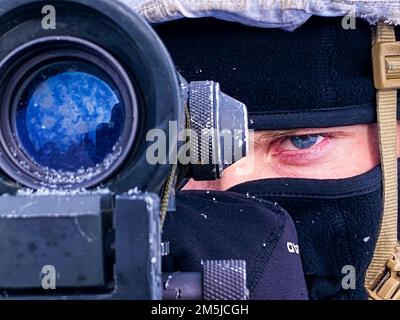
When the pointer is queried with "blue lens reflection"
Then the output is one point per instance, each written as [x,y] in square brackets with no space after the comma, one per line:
[70,121]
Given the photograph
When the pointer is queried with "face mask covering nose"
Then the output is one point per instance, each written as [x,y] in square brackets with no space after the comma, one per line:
[337,222]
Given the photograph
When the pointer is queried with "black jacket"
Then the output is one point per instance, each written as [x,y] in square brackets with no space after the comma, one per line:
[226,225]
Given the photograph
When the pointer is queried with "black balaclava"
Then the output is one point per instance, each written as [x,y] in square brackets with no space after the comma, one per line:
[337,223]
[318,76]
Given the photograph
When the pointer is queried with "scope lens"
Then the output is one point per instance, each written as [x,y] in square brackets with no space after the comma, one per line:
[70,116]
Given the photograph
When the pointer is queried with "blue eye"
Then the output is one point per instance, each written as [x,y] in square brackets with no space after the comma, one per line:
[306,141]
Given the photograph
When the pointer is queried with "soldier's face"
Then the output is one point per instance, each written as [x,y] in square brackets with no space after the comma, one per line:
[325,153]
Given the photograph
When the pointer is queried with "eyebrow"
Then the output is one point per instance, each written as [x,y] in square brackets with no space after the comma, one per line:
[268,136]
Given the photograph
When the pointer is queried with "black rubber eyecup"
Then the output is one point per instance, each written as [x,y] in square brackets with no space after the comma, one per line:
[15,71]
[111,36]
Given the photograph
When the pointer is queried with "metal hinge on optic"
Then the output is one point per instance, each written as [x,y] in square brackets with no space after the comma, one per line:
[219,128]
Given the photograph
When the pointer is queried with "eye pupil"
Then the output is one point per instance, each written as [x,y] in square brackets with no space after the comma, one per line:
[305,141]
